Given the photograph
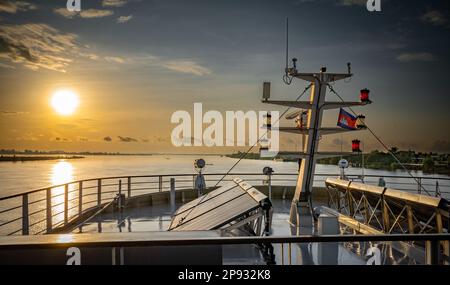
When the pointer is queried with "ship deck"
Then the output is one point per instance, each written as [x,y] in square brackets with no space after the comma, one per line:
[156,218]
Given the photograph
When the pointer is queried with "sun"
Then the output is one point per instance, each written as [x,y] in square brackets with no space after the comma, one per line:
[65,102]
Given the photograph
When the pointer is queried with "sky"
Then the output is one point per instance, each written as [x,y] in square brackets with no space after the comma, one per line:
[134,63]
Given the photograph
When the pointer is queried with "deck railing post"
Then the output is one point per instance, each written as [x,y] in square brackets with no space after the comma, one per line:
[437,193]
[419,185]
[160,183]
[172,194]
[49,210]
[66,203]
[129,187]
[80,198]
[25,221]
[99,192]
[432,252]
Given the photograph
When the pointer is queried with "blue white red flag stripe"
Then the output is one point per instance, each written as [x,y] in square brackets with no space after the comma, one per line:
[346,120]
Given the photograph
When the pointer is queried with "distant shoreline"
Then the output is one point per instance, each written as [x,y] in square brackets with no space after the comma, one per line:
[62,153]
[21,158]
[428,163]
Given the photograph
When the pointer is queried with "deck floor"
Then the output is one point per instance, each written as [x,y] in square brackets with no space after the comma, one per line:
[158,217]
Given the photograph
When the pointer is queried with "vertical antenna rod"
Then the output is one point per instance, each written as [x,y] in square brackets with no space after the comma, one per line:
[287,43]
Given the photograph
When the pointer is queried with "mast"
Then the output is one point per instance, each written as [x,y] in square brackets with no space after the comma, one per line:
[301,206]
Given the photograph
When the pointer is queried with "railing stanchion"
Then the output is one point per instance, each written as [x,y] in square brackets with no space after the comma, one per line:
[66,203]
[129,187]
[80,198]
[289,253]
[99,192]
[432,252]
[49,210]
[419,185]
[160,183]
[25,221]
[172,194]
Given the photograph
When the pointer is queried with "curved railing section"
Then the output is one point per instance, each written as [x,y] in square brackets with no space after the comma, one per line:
[43,210]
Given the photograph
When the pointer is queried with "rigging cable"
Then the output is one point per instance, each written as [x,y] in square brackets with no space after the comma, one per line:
[382,143]
[259,139]
[243,155]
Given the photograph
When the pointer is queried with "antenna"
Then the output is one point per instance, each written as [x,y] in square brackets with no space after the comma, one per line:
[287,43]
[286,78]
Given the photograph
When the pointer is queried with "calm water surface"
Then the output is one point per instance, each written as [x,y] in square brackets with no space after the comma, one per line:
[24,176]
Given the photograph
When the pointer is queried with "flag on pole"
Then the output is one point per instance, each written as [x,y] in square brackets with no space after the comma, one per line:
[346,120]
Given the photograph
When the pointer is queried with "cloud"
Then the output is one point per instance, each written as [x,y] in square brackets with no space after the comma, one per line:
[127,139]
[29,136]
[114,3]
[12,113]
[60,139]
[14,6]
[187,66]
[95,13]
[65,13]
[352,2]
[107,139]
[88,14]
[160,139]
[418,56]
[124,19]
[434,17]
[37,46]
[115,59]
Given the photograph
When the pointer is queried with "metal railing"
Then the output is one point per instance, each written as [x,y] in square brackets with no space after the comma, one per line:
[42,210]
[433,253]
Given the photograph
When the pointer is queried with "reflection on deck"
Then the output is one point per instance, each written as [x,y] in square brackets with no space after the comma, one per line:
[158,217]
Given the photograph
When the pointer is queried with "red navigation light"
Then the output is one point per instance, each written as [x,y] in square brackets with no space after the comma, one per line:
[356,145]
[364,95]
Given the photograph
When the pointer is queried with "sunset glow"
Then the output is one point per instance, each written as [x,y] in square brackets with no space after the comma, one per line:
[65,102]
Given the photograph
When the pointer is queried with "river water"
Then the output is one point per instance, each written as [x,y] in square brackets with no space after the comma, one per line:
[18,177]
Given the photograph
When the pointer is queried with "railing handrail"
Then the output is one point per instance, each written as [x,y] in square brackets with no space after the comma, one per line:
[140,239]
[207,174]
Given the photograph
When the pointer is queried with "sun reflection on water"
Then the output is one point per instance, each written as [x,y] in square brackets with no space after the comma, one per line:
[62,172]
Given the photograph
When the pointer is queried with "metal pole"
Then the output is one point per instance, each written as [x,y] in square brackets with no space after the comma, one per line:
[99,192]
[80,198]
[419,185]
[66,203]
[160,183]
[49,210]
[362,166]
[129,187]
[25,222]
[431,252]
[172,194]
[120,194]
[270,187]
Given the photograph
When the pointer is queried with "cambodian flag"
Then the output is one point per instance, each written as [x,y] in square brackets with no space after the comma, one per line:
[346,120]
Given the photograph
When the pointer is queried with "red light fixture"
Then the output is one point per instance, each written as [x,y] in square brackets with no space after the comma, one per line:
[364,95]
[356,145]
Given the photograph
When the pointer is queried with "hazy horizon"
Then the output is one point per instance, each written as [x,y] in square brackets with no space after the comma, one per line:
[133,63]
